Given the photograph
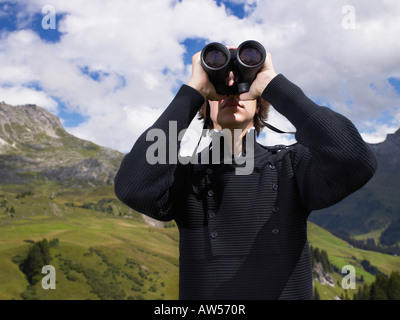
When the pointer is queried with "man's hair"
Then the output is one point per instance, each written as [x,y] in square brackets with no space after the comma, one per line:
[263,110]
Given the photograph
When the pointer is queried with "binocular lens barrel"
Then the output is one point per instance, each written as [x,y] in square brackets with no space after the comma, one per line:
[215,58]
[250,56]
[245,61]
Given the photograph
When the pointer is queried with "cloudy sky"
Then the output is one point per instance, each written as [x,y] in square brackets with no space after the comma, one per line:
[108,68]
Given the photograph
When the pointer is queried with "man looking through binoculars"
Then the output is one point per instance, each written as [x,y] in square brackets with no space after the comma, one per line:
[245,236]
[236,111]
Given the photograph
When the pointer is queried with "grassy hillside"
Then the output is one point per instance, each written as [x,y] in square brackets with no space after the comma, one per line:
[56,186]
[108,255]
[106,251]
[340,254]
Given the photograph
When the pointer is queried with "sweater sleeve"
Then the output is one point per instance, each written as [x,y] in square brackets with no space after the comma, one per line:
[147,187]
[331,159]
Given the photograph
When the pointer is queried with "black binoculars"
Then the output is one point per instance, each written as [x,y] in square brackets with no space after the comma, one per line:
[245,62]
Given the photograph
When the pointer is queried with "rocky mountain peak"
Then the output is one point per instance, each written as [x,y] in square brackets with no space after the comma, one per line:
[24,123]
[394,138]
[35,113]
[35,145]
[388,151]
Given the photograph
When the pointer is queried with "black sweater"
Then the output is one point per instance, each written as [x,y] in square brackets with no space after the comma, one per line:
[245,236]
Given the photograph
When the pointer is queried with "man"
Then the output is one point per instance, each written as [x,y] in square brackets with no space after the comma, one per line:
[245,236]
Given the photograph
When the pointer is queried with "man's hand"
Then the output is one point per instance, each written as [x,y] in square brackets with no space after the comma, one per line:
[200,81]
[264,77]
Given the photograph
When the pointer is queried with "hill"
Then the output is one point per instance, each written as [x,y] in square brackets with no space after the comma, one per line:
[57,187]
[340,254]
[103,251]
[111,253]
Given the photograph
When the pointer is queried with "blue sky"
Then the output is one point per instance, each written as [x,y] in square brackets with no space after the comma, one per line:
[109,68]
[13,19]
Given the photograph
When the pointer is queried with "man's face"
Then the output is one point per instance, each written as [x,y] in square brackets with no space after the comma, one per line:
[231,113]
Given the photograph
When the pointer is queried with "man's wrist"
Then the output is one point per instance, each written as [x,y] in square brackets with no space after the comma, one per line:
[196,86]
[267,78]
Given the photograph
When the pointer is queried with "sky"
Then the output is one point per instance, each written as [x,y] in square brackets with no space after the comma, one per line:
[109,69]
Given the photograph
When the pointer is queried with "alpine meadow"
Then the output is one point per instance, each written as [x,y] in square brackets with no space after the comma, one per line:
[58,208]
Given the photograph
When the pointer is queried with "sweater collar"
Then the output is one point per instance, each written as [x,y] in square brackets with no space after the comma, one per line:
[219,152]
[221,140]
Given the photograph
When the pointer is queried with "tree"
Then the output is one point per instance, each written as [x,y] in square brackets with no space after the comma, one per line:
[383,288]
[38,256]
[394,286]
[377,291]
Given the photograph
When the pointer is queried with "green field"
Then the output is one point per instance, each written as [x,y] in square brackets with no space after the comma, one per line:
[341,254]
[101,255]
[107,251]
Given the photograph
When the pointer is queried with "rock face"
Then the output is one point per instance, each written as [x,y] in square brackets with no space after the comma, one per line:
[322,276]
[389,150]
[35,146]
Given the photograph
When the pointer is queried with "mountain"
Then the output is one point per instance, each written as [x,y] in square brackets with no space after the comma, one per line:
[34,146]
[57,187]
[376,206]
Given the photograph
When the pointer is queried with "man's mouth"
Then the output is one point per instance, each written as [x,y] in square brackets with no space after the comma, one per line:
[231,103]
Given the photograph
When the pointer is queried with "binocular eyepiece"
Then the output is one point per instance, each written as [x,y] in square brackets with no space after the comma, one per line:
[245,62]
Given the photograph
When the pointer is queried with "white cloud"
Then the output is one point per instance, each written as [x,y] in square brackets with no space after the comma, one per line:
[310,45]
[136,45]
[22,96]
[382,130]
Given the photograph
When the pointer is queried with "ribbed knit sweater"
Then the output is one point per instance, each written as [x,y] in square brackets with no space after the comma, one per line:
[245,236]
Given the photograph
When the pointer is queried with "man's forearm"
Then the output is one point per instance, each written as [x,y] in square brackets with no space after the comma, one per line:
[338,161]
[140,184]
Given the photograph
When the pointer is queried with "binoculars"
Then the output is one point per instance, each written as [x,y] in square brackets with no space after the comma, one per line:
[245,62]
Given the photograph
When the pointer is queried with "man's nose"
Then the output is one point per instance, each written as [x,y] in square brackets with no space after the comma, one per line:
[231,79]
